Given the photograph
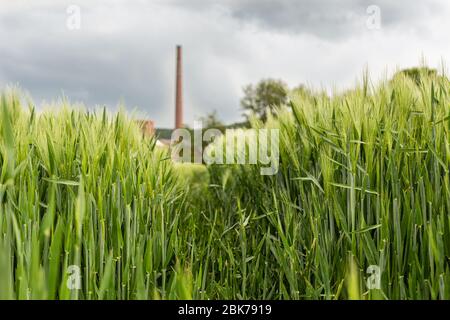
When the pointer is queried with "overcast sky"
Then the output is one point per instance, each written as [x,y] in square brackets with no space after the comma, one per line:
[124,50]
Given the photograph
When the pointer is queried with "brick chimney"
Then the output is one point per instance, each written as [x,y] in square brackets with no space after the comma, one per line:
[179,90]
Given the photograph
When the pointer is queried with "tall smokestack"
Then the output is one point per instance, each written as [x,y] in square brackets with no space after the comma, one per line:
[179,90]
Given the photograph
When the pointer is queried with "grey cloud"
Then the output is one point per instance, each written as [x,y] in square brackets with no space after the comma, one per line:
[125,49]
[118,55]
[329,19]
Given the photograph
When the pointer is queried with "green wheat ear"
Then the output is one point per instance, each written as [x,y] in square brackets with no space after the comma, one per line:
[363,173]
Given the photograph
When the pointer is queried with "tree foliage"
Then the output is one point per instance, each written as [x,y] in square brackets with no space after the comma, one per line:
[266,95]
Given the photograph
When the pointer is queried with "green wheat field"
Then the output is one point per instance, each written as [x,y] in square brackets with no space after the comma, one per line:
[363,180]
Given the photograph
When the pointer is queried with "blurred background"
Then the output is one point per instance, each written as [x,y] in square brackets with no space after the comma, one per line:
[105,52]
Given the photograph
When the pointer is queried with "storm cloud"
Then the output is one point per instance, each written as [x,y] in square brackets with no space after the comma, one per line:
[330,19]
[124,50]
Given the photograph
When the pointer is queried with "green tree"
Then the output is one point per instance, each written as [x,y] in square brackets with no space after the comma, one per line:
[266,95]
[211,120]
